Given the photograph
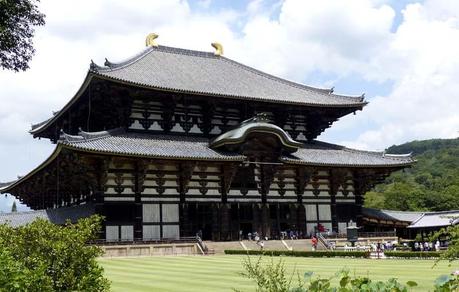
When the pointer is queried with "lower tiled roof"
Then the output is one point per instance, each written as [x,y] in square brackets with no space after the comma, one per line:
[184,147]
[391,215]
[415,219]
[135,144]
[320,153]
[119,142]
[436,219]
[56,216]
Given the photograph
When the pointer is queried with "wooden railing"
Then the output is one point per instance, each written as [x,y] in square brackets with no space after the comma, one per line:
[143,241]
[378,234]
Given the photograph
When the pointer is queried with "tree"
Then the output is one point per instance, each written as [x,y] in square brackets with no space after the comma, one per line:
[452,234]
[17,21]
[432,184]
[14,208]
[57,258]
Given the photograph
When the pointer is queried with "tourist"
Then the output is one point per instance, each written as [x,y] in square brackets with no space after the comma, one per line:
[314,242]
[261,244]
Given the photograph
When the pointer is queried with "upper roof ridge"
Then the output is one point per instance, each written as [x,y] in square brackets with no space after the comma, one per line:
[112,66]
[287,81]
[84,136]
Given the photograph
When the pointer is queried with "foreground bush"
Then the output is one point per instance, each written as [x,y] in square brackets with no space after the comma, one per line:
[272,277]
[42,256]
[452,234]
[315,254]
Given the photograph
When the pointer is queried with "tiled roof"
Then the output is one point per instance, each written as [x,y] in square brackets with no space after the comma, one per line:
[416,219]
[57,216]
[135,144]
[436,219]
[199,72]
[127,143]
[391,215]
[119,142]
[320,153]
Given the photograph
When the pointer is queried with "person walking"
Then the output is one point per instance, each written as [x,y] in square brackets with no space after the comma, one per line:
[314,242]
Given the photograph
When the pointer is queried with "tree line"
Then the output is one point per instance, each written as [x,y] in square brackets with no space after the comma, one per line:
[432,184]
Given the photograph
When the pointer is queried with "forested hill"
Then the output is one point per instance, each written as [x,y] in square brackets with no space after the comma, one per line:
[431,184]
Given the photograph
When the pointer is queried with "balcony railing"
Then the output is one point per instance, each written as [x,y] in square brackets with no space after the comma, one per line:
[378,234]
[144,241]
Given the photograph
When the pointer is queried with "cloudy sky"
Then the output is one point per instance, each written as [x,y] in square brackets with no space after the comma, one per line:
[404,55]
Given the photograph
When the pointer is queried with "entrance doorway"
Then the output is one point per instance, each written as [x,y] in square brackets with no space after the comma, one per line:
[246,228]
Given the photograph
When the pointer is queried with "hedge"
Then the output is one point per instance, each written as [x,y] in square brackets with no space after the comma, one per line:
[293,253]
[412,254]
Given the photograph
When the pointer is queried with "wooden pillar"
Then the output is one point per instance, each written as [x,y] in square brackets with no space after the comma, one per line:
[101,174]
[265,226]
[225,222]
[257,221]
[301,219]
[100,210]
[360,185]
[278,219]
[139,178]
[215,222]
[185,221]
[337,179]
[228,173]
[293,210]
[334,216]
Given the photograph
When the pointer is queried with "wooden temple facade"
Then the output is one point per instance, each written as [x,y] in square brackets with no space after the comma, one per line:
[173,142]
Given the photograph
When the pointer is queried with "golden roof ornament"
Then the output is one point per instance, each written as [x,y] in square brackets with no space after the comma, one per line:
[218,49]
[150,40]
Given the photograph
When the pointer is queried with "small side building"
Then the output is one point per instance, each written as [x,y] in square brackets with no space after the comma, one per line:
[407,224]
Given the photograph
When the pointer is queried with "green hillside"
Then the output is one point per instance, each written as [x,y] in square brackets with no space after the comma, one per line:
[432,184]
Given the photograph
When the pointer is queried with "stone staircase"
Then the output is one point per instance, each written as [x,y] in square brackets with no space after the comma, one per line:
[299,244]
[219,247]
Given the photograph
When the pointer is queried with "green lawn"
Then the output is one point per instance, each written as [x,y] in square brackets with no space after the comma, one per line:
[220,273]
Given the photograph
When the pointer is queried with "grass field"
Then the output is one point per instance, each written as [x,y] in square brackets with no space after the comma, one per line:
[220,273]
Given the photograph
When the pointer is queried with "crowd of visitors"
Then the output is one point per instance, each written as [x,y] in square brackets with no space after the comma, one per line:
[426,246]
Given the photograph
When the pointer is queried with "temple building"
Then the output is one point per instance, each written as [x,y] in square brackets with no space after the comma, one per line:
[172,142]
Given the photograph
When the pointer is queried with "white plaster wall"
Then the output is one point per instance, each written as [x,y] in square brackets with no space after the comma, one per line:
[170,213]
[150,212]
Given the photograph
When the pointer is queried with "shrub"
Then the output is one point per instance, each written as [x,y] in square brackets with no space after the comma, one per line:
[452,234]
[413,254]
[14,276]
[446,283]
[54,255]
[272,277]
[317,254]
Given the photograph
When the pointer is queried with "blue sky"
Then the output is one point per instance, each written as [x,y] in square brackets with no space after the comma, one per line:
[401,54]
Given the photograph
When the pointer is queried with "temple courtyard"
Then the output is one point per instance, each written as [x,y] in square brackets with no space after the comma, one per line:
[221,272]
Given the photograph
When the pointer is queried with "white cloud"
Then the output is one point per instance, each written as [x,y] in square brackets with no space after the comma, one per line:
[423,61]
